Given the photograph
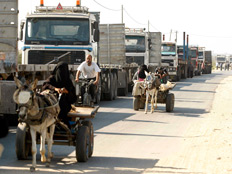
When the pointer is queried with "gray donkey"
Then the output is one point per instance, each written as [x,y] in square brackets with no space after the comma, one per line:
[39,111]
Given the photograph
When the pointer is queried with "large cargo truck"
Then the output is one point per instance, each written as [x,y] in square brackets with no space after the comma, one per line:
[183,61]
[201,58]
[207,62]
[8,59]
[169,59]
[112,59]
[194,52]
[221,61]
[58,33]
[143,47]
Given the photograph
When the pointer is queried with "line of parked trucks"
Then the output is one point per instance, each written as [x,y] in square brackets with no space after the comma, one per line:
[53,33]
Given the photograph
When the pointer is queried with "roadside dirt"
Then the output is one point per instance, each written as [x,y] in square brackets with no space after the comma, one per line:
[207,146]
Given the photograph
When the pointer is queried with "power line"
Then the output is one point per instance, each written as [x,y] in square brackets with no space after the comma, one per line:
[106,7]
[133,18]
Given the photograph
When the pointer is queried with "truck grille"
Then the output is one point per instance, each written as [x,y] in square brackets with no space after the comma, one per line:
[43,57]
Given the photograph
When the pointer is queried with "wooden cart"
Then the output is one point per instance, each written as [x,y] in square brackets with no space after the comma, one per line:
[139,97]
[81,134]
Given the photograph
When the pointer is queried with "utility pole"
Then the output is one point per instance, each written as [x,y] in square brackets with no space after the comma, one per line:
[184,46]
[148,26]
[122,14]
[176,36]
[170,35]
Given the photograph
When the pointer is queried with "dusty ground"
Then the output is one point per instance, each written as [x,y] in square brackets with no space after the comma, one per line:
[207,147]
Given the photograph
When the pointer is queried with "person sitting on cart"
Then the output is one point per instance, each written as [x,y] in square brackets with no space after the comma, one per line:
[61,83]
[140,75]
[162,74]
[91,71]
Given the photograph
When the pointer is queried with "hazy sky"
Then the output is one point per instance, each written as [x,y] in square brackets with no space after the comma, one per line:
[208,22]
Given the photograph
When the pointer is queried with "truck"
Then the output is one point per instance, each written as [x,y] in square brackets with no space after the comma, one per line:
[201,57]
[207,62]
[142,48]
[220,61]
[8,60]
[183,62]
[196,63]
[169,59]
[54,33]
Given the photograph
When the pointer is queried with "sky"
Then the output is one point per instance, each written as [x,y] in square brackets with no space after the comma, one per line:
[207,22]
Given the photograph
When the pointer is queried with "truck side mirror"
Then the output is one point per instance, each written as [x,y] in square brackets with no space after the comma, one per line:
[96,35]
[96,25]
[21,30]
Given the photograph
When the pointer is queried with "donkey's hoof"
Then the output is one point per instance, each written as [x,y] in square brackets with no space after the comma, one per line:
[32,169]
[145,112]
[43,159]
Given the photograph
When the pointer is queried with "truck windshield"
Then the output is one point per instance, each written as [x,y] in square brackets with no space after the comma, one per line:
[193,53]
[200,55]
[168,49]
[54,31]
[135,44]
[221,59]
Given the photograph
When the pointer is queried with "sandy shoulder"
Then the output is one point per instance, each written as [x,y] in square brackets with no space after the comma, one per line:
[207,147]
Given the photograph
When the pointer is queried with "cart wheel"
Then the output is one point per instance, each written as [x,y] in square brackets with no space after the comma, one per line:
[82,144]
[170,100]
[23,148]
[4,127]
[136,103]
[89,124]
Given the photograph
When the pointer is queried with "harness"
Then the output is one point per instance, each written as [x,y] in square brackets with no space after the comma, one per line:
[44,105]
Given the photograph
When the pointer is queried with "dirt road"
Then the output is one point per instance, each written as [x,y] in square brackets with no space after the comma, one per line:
[208,144]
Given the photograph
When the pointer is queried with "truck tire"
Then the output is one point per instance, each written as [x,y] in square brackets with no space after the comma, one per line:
[22,147]
[170,100]
[4,126]
[89,124]
[115,86]
[110,94]
[82,144]
[136,103]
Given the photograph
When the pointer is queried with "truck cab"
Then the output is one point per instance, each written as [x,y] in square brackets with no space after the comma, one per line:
[220,61]
[169,58]
[194,60]
[65,33]
[136,42]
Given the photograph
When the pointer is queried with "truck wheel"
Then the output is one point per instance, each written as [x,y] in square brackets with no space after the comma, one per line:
[89,124]
[110,94]
[82,144]
[170,100]
[4,127]
[22,147]
[115,86]
[136,103]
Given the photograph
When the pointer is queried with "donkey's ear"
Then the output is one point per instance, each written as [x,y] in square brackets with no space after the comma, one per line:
[33,85]
[18,82]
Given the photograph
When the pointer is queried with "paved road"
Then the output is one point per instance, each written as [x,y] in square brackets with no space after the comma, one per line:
[128,141]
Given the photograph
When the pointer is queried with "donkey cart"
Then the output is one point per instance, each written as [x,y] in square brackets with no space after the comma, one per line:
[80,135]
[163,96]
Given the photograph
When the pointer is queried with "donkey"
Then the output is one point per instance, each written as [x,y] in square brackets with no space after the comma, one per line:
[151,84]
[40,112]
